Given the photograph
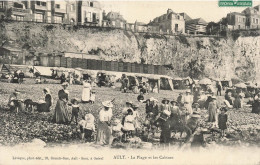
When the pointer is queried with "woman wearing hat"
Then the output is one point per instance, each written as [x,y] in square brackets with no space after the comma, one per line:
[148,106]
[212,109]
[154,107]
[48,99]
[128,105]
[61,115]
[103,128]
[192,125]
[86,91]
[175,111]
[180,99]
[62,78]
[15,101]
[164,105]
[164,123]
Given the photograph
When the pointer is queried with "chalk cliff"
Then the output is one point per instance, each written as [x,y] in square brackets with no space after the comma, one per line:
[217,57]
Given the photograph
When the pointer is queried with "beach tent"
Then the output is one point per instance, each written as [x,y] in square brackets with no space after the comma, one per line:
[166,83]
[44,71]
[205,81]
[178,83]
[225,82]
[10,69]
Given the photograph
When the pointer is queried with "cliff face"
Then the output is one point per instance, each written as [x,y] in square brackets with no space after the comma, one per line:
[218,57]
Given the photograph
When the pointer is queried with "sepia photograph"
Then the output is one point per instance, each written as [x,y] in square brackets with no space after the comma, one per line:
[129,82]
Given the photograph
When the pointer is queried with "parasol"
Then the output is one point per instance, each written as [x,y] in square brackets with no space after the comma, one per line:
[240,85]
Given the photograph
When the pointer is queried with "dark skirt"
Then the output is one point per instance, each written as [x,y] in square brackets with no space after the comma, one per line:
[61,115]
[103,133]
[256,107]
[222,121]
[222,125]
[166,132]
[43,107]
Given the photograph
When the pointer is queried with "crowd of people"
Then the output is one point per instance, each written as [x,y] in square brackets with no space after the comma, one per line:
[15,77]
[135,86]
[182,114]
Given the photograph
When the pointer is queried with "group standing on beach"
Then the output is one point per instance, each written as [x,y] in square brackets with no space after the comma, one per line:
[182,114]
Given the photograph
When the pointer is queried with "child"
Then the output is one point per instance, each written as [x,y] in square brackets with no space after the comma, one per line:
[82,125]
[117,130]
[237,102]
[92,97]
[75,110]
[136,116]
[129,123]
[90,126]
[222,121]
[183,114]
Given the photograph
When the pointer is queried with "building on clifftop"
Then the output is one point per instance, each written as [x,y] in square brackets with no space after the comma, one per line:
[113,19]
[170,23]
[247,19]
[89,13]
[196,26]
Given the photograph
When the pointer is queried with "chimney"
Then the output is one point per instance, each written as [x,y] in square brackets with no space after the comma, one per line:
[169,11]
[104,14]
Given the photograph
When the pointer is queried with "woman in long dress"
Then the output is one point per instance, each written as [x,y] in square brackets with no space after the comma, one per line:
[61,115]
[213,111]
[103,128]
[48,99]
[86,91]
[188,100]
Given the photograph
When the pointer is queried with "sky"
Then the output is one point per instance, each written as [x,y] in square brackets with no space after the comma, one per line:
[144,11]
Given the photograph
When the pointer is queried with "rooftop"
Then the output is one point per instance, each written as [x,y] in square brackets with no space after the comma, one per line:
[197,21]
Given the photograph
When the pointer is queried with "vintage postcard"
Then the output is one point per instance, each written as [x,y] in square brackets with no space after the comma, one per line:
[129,82]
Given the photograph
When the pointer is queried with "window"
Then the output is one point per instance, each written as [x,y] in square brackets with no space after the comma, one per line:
[91,4]
[89,17]
[57,6]
[113,23]
[58,19]
[39,3]
[94,17]
[1,4]
[256,21]
[19,18]
[72,7]
[253,20]
[244,20]
[176,27]
[39,17]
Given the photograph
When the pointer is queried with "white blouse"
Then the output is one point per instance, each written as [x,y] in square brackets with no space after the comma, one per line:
[105,115]
[86,84]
